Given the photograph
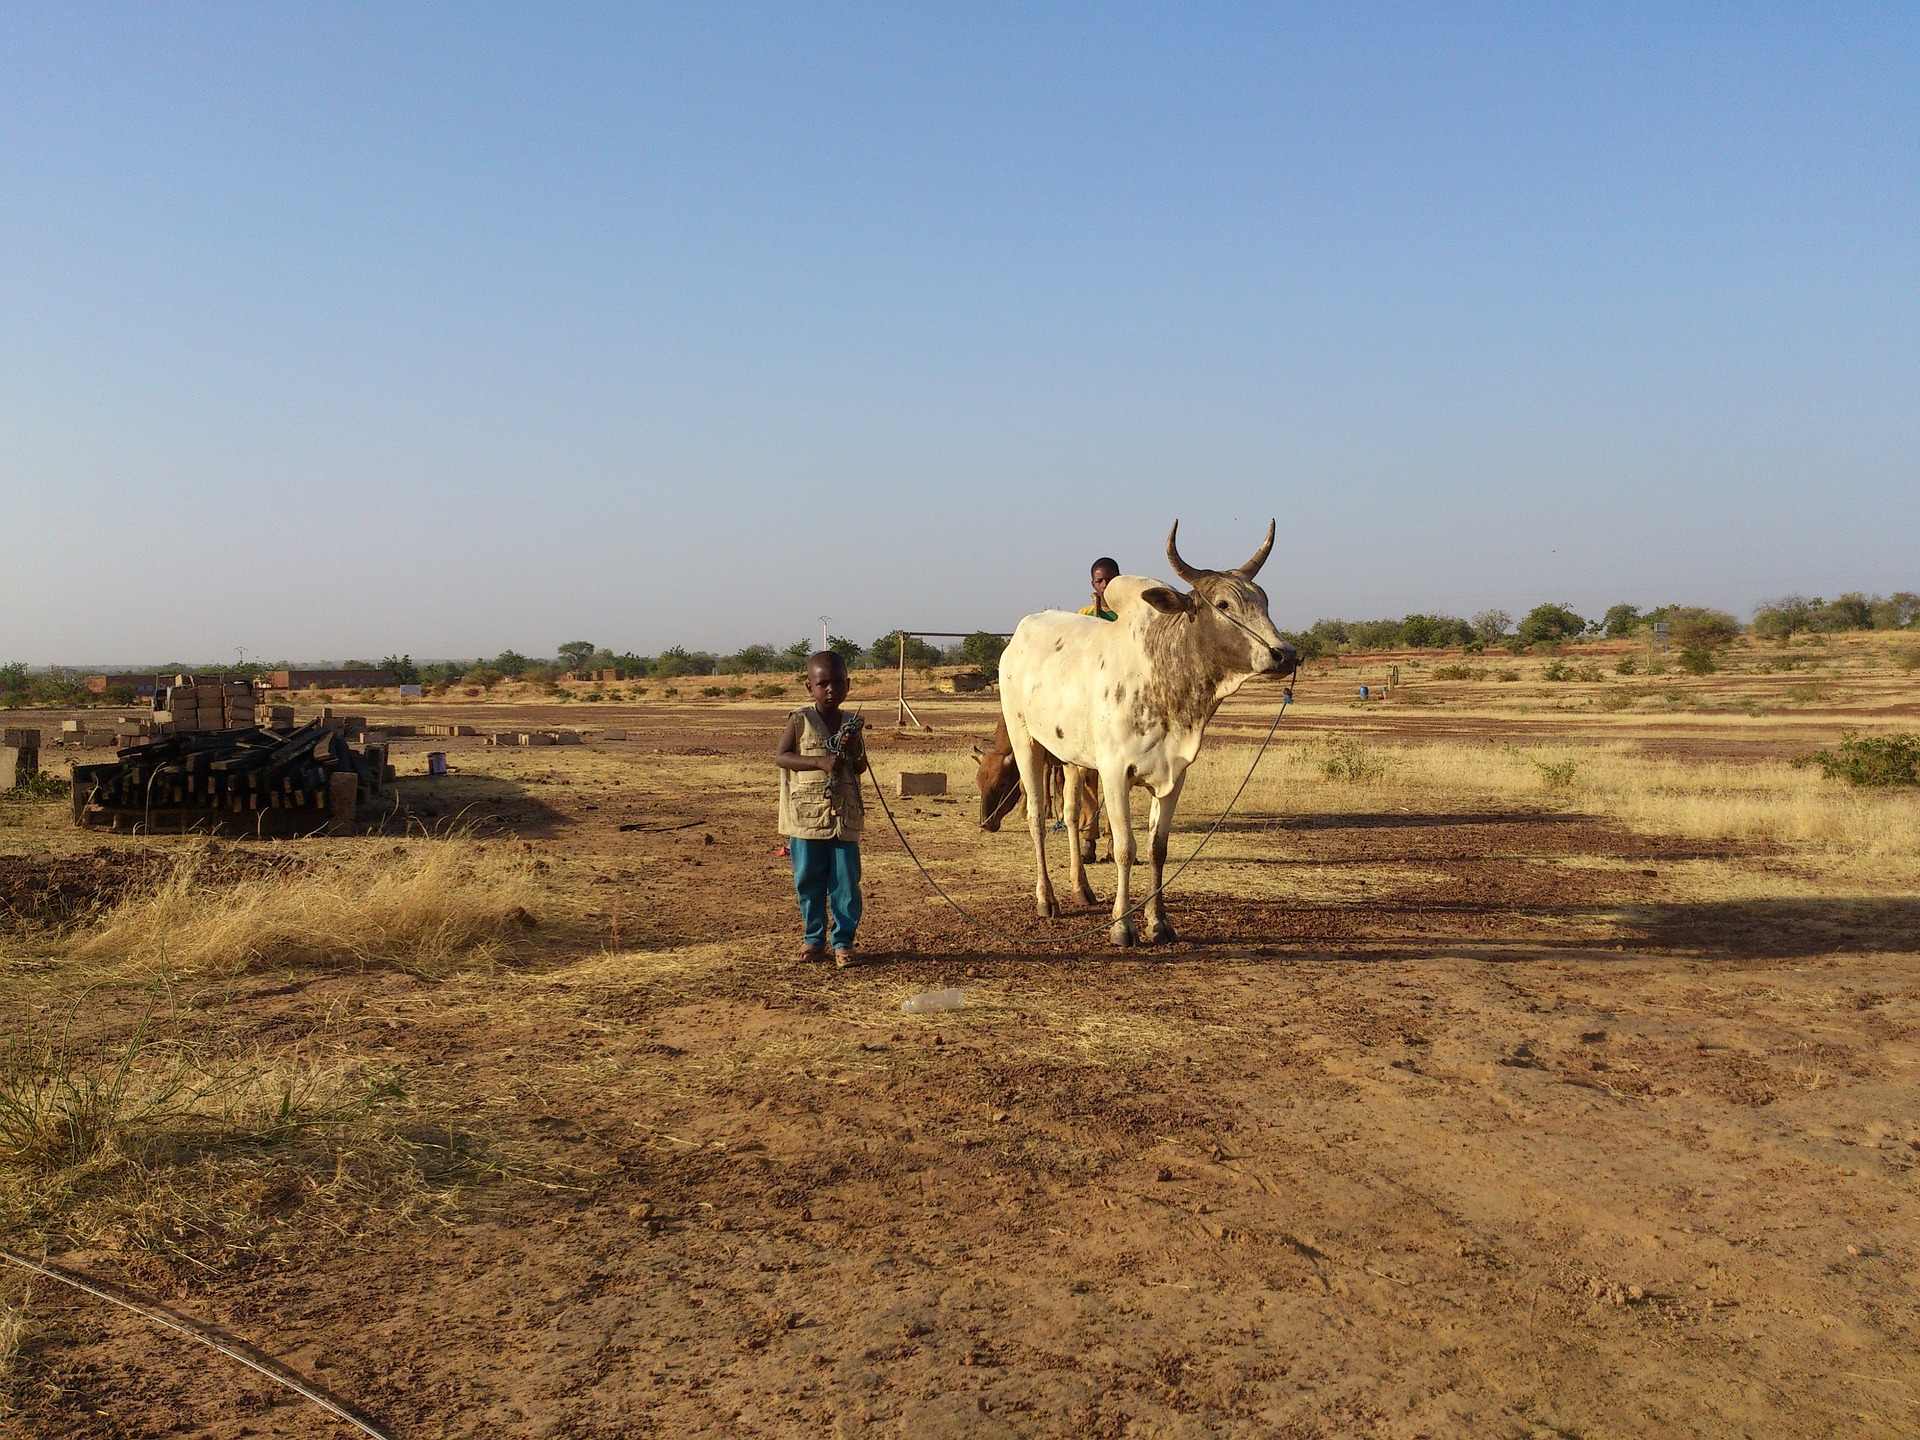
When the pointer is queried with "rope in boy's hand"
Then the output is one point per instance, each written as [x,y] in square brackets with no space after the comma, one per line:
[847,747]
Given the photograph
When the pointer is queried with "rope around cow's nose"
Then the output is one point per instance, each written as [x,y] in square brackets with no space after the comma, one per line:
[976,921]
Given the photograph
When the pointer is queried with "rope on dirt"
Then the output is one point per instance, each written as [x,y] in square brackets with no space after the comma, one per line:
[977,922]
[234,1349]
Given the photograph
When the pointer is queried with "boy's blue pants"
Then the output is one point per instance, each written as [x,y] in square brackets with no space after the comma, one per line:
[826,876]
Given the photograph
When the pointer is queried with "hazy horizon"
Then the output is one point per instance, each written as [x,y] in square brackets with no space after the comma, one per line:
[452,330]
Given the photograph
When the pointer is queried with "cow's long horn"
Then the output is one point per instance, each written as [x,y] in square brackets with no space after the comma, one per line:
[1252,567]
[1180,567]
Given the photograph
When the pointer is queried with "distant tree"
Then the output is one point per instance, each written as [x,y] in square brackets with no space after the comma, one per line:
[750,660]
[1434,632]
[1490,625]
[848,650]
[1899,611]
[1787,616]
[1696,628]
[1373,634]
[673,661]
[574,653]
[1305,642]
[13,676]
[1549,625]
[983,650]
[511,663]
[1330,634]
[484,675]
[403,668]
[1619,621]
[885,652]
[796,654]
[1851,611]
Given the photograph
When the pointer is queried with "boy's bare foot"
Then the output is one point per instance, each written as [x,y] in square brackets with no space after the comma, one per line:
[812,954]
[847,958]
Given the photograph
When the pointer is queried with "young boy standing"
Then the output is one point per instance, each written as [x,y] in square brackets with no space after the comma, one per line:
[820,810]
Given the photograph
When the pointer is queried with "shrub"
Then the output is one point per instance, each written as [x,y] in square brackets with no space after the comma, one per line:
[1490,625]
[485,676]
[1556,670]
[1557,774]
[1908,660]
[471,691]
[1458,672]
[709,690]
[1506,676]
[768,692]
[734,692]
[1614,701]
[1351,762]
[1698,662]
[1870,760]
[1627,665]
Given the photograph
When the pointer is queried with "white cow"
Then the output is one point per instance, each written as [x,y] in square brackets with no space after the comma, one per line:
[1131,700]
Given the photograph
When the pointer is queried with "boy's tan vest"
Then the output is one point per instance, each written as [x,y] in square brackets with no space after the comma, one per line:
[810,807]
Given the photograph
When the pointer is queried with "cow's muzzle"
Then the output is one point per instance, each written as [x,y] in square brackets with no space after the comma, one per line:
[1286,659]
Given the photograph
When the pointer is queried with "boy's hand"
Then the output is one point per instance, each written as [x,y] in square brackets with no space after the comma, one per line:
[829,763]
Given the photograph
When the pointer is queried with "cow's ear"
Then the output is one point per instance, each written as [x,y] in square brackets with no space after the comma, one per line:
[1167,601]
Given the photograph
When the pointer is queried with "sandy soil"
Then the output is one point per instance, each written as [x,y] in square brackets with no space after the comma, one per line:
[1455,1122]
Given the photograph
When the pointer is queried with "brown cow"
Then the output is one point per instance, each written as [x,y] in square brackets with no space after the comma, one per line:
[1000,792]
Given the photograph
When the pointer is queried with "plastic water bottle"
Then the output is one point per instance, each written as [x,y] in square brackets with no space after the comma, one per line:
[928,1001]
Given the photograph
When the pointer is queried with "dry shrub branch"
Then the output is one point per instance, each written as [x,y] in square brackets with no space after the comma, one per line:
[423,905]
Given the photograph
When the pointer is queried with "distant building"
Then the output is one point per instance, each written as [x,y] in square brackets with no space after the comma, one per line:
[331,679]
[140,684]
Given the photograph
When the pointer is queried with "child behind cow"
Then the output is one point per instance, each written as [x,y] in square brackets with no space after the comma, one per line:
[821,758]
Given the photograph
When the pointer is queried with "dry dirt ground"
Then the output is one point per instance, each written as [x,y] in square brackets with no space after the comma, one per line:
[1449,1114]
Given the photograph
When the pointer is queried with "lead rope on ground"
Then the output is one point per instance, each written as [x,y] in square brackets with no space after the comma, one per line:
[1286,699]
[234,1349]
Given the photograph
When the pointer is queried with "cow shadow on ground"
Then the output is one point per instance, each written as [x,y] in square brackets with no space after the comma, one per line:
[448,804]
[1775,929]
[1263,933]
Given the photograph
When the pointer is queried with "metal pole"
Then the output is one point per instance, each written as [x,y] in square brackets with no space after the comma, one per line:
[903,681]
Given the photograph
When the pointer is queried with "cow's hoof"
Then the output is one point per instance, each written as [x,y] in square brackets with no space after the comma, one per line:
[1086,894]
[1047,909]
[1122,934]
[1159,932]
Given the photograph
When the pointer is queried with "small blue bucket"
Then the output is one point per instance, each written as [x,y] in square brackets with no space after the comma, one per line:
[1363,692]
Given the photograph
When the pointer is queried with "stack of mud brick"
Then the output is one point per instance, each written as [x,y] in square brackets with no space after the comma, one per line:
[535,737]
[194,704]
[78,732]
[19,757]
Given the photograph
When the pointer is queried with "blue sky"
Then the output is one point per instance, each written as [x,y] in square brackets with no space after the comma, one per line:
[338,330]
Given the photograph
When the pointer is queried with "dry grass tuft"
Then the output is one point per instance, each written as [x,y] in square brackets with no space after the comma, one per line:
[13,1330]
[154,1145]
[1766,800]
[423,905]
